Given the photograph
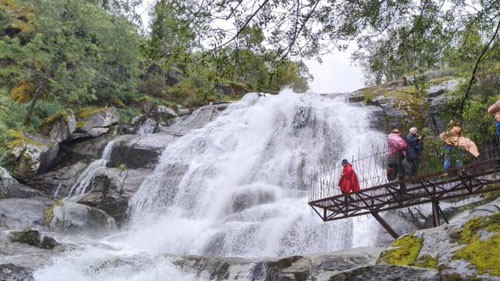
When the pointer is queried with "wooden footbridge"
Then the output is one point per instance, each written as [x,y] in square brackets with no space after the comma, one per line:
[377,194]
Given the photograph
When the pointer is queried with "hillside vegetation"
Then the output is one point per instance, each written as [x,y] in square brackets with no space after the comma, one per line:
[58,54]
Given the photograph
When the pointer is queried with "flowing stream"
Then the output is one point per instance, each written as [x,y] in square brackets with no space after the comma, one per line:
[236,187]
[87,176]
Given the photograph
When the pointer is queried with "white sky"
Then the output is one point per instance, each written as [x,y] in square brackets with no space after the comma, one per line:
[335,75]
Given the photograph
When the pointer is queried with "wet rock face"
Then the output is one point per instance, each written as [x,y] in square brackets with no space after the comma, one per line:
[77,218]
[354,264]
[30,215]
[57,184]
[11,188]
[45,214]
[139,152]
[12,272]
[112,189]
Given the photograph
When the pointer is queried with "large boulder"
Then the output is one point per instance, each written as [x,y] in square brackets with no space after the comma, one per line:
[78,218]
[112,188]
[58,183]
[30,155]
[465,249]
[46,214]
[138,151]
[18,213]
[10,187]
[84,150]
[96,122]
[59,126]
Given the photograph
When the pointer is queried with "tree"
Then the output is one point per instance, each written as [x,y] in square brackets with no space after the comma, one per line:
[80,54]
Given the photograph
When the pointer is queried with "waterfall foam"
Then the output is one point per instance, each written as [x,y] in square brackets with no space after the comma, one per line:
[238,187]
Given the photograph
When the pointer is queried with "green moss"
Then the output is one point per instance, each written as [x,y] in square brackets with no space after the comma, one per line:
[403,95]
[465,234]
[48,212]
[426,261]
[80,124]
[19,140]
[30,237]
[122,167]
[404,251]
[484,255]
[90,111]
[65,114]
[118,103]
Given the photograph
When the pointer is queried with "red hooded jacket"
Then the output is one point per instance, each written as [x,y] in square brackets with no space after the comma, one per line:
[348,180]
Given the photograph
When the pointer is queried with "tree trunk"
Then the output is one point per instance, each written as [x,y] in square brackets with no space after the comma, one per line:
[27,120]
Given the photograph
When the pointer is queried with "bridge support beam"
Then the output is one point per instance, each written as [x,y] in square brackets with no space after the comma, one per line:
[385,225]
[436,214]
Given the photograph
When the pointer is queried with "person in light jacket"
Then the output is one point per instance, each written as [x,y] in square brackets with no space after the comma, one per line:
[494,110]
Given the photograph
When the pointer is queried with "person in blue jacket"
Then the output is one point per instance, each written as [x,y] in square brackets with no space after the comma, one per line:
[414,147]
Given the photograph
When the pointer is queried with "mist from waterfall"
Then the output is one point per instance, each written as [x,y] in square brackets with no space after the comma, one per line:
[238,187]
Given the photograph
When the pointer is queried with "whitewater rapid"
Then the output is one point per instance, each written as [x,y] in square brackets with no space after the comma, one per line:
[235,187]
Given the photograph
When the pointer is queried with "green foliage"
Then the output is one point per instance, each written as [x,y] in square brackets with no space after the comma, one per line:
[78,54]
[404,251]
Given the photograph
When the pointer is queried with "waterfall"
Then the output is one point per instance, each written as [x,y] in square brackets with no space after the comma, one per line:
[87,176]
[236,187]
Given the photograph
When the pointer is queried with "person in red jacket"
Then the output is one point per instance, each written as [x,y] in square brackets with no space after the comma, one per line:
[348,180]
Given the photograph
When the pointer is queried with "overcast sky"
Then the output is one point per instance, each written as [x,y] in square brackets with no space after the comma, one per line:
[334,75]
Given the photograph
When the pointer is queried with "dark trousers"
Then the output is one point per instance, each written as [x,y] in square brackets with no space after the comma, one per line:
[413,167]
[497,129]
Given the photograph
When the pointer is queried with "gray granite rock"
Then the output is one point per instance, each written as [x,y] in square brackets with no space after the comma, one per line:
[31,155]
[112,189]
[72,217]
[11,188]
[60,126]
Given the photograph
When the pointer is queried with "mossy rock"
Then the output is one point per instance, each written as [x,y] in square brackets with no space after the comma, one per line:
[59,126]
[483,253]
[30,237]
[33,238]
[64,115]
[86,112]
[404,251]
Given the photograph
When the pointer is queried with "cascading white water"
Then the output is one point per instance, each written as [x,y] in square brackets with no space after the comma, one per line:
[86,177]
[238,187]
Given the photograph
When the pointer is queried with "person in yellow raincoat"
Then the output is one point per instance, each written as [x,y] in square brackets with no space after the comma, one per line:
[453,141]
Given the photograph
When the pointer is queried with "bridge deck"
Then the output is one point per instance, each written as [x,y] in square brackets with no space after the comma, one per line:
[478,177]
